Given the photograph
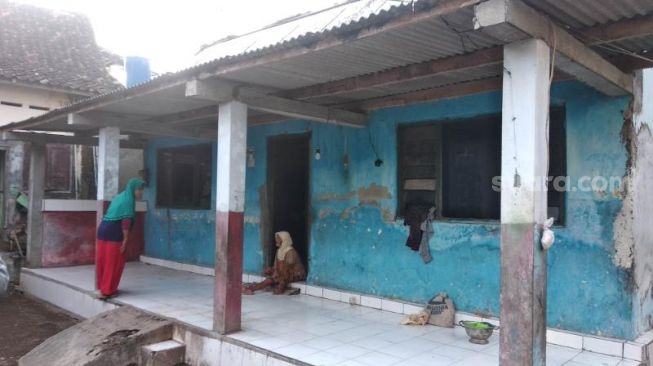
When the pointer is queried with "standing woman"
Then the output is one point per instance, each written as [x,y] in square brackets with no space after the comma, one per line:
[112,235]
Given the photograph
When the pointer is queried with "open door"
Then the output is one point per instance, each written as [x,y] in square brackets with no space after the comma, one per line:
[288,192]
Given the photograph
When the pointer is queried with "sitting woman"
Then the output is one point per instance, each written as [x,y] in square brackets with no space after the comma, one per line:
[287,267]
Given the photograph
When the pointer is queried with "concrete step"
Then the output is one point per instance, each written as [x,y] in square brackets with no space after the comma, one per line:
[111,338]
[166,353]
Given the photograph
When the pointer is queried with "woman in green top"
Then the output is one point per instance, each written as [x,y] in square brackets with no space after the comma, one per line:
[112,235]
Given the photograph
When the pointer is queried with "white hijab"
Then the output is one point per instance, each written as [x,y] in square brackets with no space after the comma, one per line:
[286,244]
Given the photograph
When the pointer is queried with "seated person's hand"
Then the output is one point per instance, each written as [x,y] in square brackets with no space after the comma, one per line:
[268,271]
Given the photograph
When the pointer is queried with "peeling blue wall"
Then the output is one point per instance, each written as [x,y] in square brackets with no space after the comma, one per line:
[179,235]
[356,244]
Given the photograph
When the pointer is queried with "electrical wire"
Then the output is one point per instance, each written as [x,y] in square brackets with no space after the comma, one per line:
[369,134]
[607,46]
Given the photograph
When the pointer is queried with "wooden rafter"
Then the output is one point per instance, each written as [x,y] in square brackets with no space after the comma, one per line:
[629,63]
[401,74]
[443,92]
[618,31]
[438,93]
[512,20]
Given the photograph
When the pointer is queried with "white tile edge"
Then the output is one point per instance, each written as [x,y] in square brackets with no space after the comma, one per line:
[554,336]
[604,346]
[66,205]
[72,300]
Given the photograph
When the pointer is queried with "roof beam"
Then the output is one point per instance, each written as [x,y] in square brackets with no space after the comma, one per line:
[259,99]
[298,109]
[512,20]
[629,63]
[400,74]
[99,119]
[51,138]
[210,89]
[443,92]
[618,31]
[439,93]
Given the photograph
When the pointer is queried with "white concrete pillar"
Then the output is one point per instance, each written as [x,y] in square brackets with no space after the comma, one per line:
[108,175]
[230,204]
[524,165]
[108,163]
[14,163]
[35,210]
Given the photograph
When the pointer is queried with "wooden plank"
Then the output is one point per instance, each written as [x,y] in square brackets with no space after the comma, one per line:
[419,184]
[507,18]
[299,109]
[444,92]
[618,31]
[629,63]
[401,74]
[438,93]
[98,119]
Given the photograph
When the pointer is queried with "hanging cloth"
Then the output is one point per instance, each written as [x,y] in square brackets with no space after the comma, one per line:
[426,227]
[413,221]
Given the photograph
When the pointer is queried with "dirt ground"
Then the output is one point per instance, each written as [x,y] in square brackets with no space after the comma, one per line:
[25,323]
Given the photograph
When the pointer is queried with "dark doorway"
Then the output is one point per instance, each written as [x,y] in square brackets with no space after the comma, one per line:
[288,191]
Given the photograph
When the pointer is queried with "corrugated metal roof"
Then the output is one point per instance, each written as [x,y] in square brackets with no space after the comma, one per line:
[428,39]
[315,22]
[570,13]
[586,13]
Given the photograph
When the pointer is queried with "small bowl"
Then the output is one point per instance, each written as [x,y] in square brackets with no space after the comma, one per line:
[478,332]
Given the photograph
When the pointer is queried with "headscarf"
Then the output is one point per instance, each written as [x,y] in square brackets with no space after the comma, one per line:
[123,205]
[286,244]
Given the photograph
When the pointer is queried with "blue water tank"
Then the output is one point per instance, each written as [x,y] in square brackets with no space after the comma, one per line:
[137,69]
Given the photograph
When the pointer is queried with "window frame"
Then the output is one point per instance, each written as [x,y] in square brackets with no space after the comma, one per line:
[197,184]
[556,111]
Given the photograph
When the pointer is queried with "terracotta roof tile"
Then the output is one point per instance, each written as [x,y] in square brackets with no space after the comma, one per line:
[50,48]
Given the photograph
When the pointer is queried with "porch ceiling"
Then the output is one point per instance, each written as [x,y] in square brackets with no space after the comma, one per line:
[380,44]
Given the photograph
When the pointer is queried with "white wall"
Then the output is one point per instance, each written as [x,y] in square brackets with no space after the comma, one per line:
[131,163]
[27,97]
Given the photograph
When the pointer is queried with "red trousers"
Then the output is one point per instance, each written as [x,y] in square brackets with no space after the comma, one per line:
[109,263]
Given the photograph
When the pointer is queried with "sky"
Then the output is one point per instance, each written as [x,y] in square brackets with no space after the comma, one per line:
[169,33]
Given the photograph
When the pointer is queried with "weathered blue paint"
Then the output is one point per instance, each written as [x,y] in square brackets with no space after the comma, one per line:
[357,244]
[180,235]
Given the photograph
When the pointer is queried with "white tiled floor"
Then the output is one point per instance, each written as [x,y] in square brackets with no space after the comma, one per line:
[316,331]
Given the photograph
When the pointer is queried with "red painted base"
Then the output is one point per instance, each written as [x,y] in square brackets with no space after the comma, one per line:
[69,238]
[523,296]
[228,272]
